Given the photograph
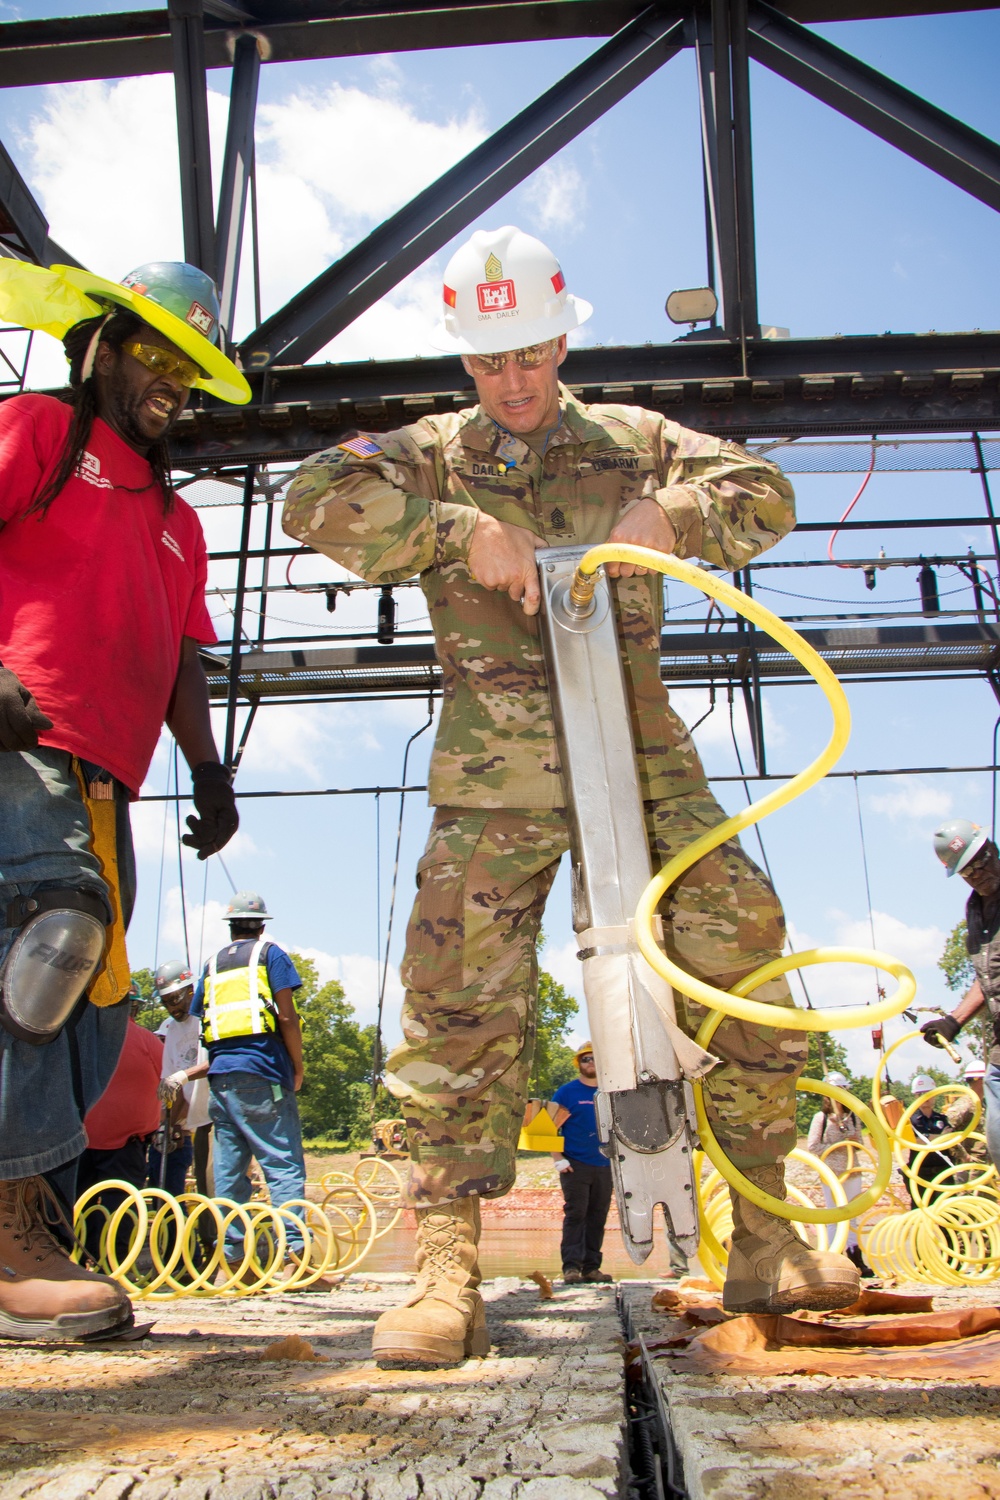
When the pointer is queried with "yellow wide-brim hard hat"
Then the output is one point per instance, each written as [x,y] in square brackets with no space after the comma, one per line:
[52,300]
[583,1047]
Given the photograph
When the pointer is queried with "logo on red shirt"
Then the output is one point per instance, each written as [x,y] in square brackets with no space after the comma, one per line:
[169,542]
[89,470]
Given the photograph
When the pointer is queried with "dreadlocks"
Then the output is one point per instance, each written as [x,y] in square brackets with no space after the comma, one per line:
[81,395]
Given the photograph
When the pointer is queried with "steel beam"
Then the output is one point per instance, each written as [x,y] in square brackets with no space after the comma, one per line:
[904,120]
[691,659]
[894,383]
[73,48]
[409,237]
[187,31]
[237,164]
[743,170]
[24,229]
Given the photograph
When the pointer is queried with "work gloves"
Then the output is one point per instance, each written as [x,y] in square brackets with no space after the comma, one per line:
[941,1026]
[212,791]
[21,720]
[170,1087]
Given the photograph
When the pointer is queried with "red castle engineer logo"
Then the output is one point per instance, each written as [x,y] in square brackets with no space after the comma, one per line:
[495,296]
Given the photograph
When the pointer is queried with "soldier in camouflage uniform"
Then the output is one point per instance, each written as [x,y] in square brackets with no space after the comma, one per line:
[463,500]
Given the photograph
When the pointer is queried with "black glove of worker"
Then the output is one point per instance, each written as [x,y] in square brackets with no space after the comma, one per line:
[212,791]
[942,1026]
[21,720]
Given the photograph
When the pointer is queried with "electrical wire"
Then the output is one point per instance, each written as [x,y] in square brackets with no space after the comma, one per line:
[377,1058]
[180,861]
[860,491]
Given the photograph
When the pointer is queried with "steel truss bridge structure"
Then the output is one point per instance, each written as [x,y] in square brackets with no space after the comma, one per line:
[826,403]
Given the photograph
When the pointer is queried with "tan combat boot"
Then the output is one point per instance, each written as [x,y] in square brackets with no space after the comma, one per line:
[44,1294]
[443,1322]
[770,1270]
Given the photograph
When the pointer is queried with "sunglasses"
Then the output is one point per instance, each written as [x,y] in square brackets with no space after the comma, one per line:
[525,359]
[586,1057]
[162,362]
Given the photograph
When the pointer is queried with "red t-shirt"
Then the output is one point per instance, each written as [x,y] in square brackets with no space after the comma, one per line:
[96,595]
[129,1105]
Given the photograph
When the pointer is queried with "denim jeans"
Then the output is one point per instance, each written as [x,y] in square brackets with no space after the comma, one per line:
[991,1103]
[177,1167]
[44,844]
[250,1120]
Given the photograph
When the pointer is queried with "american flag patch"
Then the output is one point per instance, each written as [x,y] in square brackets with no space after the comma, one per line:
[362,447]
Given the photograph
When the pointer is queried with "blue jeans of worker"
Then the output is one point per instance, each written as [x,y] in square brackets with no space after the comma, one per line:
[991,1102]
[45,844]
[255,1118]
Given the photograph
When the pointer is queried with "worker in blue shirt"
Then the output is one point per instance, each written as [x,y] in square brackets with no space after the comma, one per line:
[251,1030]
[584,1173]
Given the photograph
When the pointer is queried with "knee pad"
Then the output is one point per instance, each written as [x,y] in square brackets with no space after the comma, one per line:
[51,961]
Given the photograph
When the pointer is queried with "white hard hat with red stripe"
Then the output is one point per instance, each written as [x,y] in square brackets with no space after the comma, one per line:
[505,290]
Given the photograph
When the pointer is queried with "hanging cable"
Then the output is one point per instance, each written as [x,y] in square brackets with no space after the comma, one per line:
[993,763]
[163,861]
[377,1059]
[180,862]
[201,935]
[860,491]
[225,871]
[879,991]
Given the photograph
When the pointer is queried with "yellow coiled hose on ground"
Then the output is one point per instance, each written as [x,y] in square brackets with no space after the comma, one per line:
[957,1238]
[183,1236]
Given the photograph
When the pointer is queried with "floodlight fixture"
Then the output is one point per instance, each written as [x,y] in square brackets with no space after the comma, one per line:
[697,304]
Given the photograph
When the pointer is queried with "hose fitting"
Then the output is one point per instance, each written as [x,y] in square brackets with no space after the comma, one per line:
[580,599]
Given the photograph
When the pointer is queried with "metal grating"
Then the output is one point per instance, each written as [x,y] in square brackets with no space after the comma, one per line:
[410,670]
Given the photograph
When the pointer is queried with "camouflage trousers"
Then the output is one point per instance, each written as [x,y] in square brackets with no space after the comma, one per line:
[471,975]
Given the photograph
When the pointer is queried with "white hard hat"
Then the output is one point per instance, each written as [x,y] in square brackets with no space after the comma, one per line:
[957,842]
[503,290]
[975,1070]
[922,1084]
[837,1079]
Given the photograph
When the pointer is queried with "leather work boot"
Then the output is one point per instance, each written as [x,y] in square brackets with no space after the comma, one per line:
[443,1322]
[770,1270]
[44,1294]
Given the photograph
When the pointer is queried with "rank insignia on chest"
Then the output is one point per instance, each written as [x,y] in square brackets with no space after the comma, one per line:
[361,447]
[558,520]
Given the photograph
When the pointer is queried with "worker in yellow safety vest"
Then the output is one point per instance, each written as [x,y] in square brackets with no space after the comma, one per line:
[251,1030]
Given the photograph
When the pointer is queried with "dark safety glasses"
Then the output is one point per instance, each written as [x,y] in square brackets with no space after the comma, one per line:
[162,362]
[586,1057]
[525,359]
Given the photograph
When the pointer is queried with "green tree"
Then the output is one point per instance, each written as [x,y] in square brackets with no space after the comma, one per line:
[337,1054]
[955,963]
[151,1012]
[554,1063]
[826,1055]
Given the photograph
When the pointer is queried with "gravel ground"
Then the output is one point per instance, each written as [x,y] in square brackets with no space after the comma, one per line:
[195,1413]
[806,1437]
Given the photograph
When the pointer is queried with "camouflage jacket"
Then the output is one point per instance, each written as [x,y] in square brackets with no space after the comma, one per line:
[389,506]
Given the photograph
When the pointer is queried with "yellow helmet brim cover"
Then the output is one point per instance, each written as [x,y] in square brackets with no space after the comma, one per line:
[53,300]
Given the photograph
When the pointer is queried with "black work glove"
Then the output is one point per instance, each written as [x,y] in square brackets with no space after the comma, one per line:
[942,1026]
[212,791]
[21,720]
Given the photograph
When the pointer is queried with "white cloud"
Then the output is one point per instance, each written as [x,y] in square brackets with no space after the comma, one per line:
[566,969]
[557,194]
[360,975]
[365,154]
[914,800]
[331,164]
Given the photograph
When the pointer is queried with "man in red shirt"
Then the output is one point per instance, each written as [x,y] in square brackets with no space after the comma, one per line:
[102,612]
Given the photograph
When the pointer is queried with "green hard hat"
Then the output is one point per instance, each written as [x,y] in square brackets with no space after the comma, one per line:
[184,290]
[172,976]
[247,906]
[957,842]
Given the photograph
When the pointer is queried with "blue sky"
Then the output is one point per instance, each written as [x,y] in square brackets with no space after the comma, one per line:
[852,237]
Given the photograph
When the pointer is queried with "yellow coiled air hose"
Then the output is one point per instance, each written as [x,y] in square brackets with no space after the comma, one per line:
[984,1223]
[183,1236]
